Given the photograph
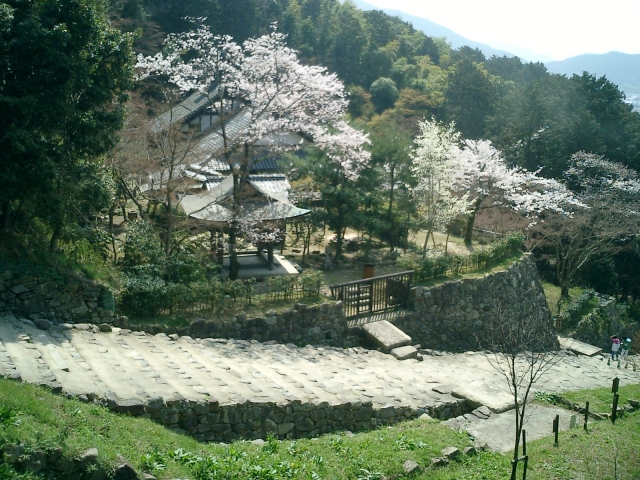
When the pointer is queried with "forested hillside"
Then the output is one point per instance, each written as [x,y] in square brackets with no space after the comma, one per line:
[61,169]
[538,119]
[621,68]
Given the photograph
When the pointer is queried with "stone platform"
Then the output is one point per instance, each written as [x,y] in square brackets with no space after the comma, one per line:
[220,390]
[579,347]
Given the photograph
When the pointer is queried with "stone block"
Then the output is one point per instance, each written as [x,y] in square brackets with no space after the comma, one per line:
[385,335]
[439,462]
[410,466]
[131,407]
[154,404]
[87,458]
[404,353]
[451,453]
[123,470]
[18,289]
[479,394]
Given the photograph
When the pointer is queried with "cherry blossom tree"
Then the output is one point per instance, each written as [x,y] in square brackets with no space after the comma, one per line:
[480,171]
[603,220]
[275,94]
[433,169]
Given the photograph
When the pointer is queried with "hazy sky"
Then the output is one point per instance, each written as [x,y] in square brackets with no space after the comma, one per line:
[558,28]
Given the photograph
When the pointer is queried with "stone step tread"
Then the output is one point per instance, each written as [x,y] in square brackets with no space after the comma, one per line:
[386,335]
[404,353]
[579,347]
[282,373]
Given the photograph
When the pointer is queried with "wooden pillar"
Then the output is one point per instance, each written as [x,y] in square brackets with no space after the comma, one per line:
[270,255]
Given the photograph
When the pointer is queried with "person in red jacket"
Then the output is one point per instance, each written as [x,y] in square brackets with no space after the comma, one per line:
[615,346]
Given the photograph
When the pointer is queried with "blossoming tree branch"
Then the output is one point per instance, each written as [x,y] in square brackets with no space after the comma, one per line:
[276,92]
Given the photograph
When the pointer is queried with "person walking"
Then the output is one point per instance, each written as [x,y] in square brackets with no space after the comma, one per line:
[615,346]
[625,349]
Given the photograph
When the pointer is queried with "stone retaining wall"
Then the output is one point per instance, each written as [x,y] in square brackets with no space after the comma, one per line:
[39,293]
[212,422]
[323,324]
[453,316]
[445,317]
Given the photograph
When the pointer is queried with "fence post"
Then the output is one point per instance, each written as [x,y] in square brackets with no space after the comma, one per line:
[524,454]
[614,408]
[586,416]
[556,428]
[615,385]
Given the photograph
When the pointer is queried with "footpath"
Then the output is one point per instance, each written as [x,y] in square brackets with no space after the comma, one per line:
[130,371]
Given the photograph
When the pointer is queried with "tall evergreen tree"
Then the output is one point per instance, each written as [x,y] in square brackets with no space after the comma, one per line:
[63,81]
[351,41]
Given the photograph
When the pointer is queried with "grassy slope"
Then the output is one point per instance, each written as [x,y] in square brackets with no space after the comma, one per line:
[552,292]
[46,420]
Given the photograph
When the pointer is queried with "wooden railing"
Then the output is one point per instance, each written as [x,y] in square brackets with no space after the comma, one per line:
[375,294]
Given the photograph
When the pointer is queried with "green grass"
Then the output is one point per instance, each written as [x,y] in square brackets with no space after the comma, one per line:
[552,292]
[501,266]
[40,420]
[600,399]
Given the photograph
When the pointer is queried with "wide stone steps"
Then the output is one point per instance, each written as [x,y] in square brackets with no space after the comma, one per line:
[137,367]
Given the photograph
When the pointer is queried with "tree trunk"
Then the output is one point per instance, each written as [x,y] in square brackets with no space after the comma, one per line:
[426,244]
[306,242]
[170,222]
[468,232]
[114,248]
[55,237]
[339,237]
[234,264]
[6,212]
[112,212]
[390,222]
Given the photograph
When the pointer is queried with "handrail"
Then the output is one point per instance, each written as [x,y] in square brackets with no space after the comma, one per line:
[375,294]
[366,280]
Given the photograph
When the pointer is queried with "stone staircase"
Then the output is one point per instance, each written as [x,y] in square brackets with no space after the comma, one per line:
[390,339]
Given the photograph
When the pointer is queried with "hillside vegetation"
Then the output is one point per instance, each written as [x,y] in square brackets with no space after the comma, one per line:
[42,422]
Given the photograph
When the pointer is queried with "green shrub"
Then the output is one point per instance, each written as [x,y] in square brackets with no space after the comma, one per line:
[142,246]
[573,313]
[311,281]
[143,296]
[438,265]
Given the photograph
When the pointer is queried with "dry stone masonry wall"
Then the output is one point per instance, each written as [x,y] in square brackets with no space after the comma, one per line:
[454,315]
[210,421]
[322,324]
[46,294]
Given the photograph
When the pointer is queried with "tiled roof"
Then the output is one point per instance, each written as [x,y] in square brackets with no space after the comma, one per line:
[191,104]
[275,204]
[265,211]
[212,145]
[193,204]
[274,186]
[261,165]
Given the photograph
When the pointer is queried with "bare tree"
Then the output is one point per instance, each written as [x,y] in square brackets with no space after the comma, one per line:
[170,149]
[521,348]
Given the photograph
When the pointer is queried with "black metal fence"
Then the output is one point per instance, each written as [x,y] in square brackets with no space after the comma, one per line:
[145,298]
[375,294]
[454,265]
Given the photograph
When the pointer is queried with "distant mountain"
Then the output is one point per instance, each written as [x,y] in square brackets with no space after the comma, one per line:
[434,30]
[623,69]
[526,54]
